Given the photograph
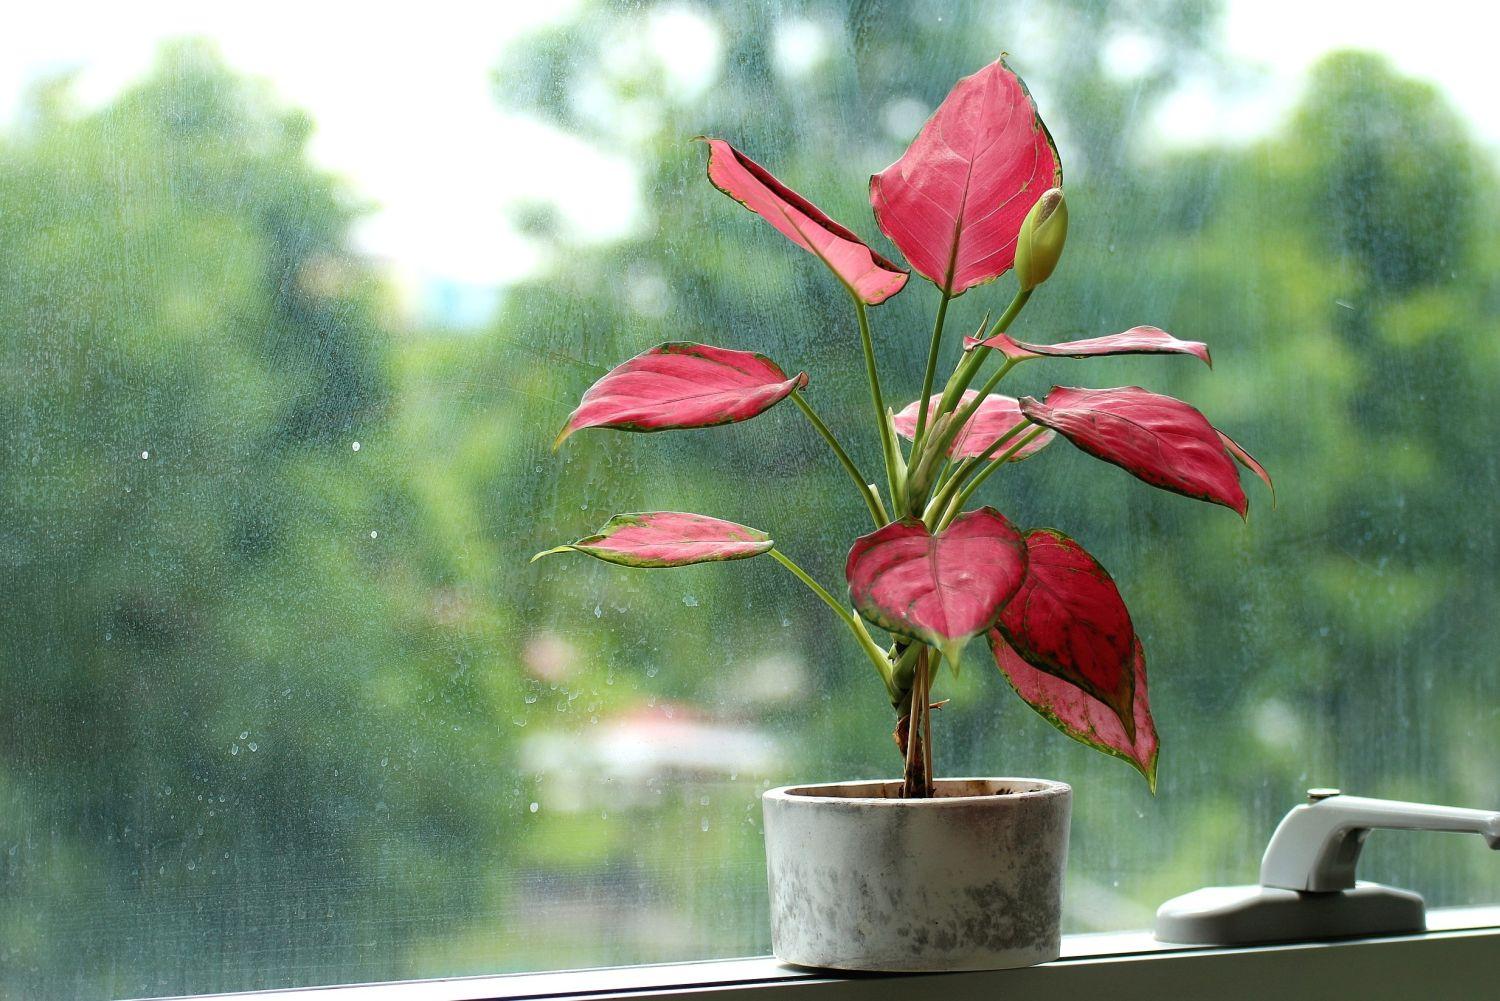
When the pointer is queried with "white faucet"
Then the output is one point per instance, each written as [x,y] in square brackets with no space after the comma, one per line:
[1307,888]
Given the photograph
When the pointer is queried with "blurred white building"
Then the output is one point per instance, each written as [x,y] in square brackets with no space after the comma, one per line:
[628,760]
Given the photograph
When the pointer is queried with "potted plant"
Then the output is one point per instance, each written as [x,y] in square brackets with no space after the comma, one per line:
[918,874]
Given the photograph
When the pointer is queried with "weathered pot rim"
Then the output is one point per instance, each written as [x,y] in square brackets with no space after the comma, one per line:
[1032,789]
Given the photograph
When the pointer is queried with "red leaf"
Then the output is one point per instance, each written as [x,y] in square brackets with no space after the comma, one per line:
[1135,341]
[941,589]
[668,539]
[955,201]
[1157,439]
[1068,619]
[866,274]
[995,416]
[1249,461]
[682,385]
[1080,715]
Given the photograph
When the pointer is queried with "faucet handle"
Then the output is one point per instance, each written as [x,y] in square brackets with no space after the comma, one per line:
[1316,846]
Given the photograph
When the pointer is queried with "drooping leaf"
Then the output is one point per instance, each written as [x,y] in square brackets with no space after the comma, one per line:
[1157,439]
[1069,620]
[955,201]
[682,385]
[995,416]
[668,539]
[1135,341]
[866,274]
[1080,715]
[1249,461]
[941,589]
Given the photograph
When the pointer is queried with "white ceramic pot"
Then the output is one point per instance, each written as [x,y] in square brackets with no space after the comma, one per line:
[969,880]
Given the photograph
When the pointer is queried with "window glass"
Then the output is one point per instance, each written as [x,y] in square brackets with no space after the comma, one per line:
[293,300]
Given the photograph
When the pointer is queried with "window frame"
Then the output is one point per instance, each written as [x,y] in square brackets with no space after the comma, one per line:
[1458,952]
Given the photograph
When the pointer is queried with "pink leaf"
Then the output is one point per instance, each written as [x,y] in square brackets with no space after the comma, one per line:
[1080,715]
[1157,439]
[668,539]
[1069,620]
[995,416]
[866,274]
[941,589]
[682,385]
[955,201]
[1249,461]
[1135,341]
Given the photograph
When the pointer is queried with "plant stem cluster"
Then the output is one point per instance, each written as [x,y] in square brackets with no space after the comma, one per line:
[923,483]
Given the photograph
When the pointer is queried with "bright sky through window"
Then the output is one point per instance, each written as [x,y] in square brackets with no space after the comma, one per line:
[410,115]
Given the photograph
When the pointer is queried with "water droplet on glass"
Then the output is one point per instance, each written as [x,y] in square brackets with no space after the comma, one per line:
[244,734]
[703,825]
[234,749]
[254,746]
[535,807]
[355,446]
[530,699]
[598,611]
[690,601]
[145,455]
[702,800]
[374,535]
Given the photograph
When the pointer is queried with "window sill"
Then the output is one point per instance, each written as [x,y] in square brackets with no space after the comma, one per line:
[1453,959]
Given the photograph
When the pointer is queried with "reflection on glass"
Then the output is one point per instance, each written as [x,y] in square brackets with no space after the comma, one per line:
[281,701]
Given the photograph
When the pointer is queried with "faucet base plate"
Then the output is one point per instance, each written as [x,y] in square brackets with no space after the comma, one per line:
[1246,915]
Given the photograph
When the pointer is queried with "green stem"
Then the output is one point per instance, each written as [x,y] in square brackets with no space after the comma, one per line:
[887,442]
[963,498]
[903,667]
[876,655]
[871,501]
[969,367]
[940,502]
[930,374]
[972,407]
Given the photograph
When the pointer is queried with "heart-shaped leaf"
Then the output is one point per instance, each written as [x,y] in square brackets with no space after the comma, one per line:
[995,416]
[955,201]
[1157,439]
[941,589]
[1249,461]
[682,385]
[668,539]
[1080,715]
[1069,620]
[1135,341]
[870,277]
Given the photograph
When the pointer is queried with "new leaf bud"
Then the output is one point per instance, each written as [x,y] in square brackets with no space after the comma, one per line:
[1040,244]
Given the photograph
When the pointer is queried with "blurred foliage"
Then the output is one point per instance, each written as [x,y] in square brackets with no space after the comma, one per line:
[274,710]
